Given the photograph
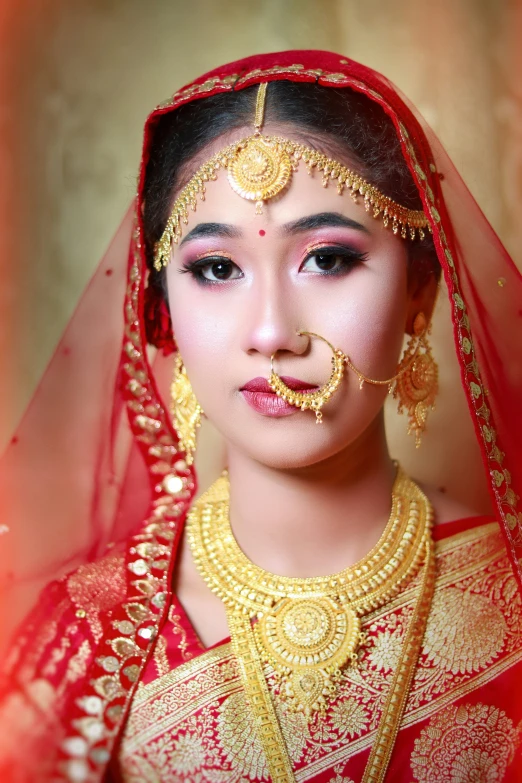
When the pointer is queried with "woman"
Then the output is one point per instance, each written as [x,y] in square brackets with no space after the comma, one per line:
[403,665]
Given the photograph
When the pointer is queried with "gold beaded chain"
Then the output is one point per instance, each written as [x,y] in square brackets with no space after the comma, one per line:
[308,629]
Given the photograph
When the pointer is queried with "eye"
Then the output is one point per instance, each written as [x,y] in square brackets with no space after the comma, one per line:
[331,260]
[322,262]
[213,270]
[220,269]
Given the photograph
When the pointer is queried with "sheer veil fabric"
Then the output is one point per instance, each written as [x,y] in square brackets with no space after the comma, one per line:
[95,459]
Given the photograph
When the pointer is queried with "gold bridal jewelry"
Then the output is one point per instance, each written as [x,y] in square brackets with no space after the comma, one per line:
[415,384]
[260,167]
[417,381]
[186,410]
[313,400]
[306,630]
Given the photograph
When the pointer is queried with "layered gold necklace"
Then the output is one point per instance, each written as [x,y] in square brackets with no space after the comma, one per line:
[309,629]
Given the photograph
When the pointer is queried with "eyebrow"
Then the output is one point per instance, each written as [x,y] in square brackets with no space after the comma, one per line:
[224,230]
[323,220]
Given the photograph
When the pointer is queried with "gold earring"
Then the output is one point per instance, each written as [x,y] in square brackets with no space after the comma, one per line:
[417,382]
[186,410]
[310,400]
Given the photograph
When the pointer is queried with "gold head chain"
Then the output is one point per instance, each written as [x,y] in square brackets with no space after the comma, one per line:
[260,167]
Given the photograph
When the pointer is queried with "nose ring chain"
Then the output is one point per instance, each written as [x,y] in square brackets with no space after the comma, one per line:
[315,400]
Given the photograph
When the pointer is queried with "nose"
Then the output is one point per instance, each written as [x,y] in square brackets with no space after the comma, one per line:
[271,324]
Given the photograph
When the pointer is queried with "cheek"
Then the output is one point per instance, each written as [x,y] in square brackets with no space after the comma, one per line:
[368,322]
[202,335]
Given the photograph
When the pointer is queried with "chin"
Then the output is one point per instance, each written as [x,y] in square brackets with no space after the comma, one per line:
[294,442]
[291,450]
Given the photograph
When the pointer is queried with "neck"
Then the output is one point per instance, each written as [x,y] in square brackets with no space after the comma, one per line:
[316,520]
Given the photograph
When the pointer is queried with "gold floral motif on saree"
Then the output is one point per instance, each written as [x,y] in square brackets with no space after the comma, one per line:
[98,585]
[178,628]
[339,777]
[193,724]
[465,743]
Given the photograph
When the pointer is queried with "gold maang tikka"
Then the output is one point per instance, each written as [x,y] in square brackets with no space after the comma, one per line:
[260,167]
[260,170]
[414,383]
[185,409]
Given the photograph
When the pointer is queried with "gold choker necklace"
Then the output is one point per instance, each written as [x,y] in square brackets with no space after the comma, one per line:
[308,629]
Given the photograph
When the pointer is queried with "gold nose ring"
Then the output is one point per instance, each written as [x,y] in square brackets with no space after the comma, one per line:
[312,400]
[315,400]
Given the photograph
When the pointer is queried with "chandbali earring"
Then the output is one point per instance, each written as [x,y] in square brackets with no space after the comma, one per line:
[186,410]
[417,384]
[313,400]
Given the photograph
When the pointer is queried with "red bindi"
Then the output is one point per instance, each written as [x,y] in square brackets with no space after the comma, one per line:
[262,232]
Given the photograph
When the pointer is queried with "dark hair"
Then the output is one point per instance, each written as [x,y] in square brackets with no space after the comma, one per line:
[334,120]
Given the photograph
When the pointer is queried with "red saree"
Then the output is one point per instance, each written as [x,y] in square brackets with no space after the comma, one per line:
[107,679]
[189,721]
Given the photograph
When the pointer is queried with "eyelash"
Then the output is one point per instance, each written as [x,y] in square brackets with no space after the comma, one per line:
[350,258]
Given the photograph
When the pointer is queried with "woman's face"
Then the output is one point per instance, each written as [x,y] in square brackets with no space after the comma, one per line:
[241,286]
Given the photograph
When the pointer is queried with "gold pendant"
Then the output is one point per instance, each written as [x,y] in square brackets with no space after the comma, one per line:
[308,641]
[259,171]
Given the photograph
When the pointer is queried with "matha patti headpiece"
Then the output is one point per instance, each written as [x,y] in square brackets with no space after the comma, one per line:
[260,167]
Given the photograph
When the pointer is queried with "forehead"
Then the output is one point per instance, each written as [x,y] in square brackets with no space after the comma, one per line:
[303,196]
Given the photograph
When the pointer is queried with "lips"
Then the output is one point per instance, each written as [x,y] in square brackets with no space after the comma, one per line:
[261,386]
[263,400]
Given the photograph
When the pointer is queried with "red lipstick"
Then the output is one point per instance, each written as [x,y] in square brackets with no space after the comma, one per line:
[263,400]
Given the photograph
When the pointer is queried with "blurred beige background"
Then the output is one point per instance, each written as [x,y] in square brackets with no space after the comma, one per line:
[79,78]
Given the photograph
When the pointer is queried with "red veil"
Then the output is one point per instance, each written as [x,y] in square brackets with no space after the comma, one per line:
[95,458]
